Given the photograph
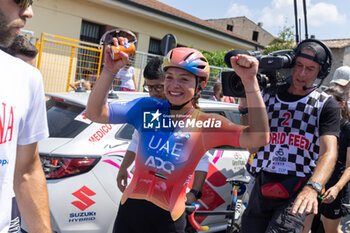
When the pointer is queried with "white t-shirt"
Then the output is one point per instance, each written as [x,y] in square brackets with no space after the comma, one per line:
[22,121]
[203,164]
[126,75]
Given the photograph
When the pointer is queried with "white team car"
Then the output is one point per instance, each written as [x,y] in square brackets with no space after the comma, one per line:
[81,161]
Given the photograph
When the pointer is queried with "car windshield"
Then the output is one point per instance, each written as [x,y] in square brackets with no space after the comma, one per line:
[65,120]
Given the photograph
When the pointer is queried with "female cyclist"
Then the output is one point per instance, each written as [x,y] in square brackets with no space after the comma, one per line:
[174,136]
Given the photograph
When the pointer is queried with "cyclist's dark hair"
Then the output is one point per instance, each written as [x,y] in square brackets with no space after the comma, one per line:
[153,69]
[197,93]
[195,100]
[339,96]
[22,46]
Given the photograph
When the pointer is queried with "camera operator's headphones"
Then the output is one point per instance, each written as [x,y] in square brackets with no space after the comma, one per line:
[325,60]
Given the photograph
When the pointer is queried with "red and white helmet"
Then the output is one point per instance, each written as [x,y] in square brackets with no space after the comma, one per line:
[189,59]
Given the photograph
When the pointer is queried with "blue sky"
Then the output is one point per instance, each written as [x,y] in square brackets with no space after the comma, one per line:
[327,19]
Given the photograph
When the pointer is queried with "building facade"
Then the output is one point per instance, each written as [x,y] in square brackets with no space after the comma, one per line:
[150,20]
[341,55]
[245,28]
[88,20]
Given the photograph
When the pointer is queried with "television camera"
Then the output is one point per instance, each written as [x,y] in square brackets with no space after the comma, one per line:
[274,70]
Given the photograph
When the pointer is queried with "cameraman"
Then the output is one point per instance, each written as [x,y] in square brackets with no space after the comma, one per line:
[293,168]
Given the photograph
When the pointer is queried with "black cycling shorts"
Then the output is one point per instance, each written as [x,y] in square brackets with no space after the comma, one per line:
[136,216]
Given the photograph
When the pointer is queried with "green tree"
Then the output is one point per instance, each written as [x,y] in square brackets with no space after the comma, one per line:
[285,40]
[215,58]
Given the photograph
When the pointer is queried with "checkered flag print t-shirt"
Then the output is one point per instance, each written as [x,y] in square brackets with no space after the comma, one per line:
[294,137]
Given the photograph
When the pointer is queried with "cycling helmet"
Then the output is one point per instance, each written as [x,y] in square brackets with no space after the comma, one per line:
[189,59]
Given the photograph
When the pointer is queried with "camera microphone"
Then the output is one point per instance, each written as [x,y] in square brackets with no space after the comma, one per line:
[235,52]
[305,88]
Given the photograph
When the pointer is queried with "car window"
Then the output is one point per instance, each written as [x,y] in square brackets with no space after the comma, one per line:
[215,112]
[236,118]
[125,133]
[63,119]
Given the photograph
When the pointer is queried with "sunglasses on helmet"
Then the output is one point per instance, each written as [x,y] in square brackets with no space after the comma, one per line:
[108,36]
[24,4]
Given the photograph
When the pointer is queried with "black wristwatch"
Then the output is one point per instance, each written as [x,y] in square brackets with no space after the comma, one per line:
[197,194]
[316,186]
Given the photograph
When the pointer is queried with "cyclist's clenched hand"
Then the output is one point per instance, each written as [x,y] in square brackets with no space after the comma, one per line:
[306,201]
[115,65]
[246,67]
[122,179]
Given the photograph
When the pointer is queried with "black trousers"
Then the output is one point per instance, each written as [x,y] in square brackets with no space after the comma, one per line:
[136,216]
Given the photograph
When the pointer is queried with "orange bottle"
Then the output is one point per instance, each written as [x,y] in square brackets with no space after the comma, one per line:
[129,48]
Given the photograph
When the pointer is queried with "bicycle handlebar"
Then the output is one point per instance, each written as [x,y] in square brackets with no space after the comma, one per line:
[193,222]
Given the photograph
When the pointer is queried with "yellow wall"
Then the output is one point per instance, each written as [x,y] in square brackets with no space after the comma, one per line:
[55,17]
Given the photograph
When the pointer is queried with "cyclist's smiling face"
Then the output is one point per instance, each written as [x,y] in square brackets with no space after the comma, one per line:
[179,85]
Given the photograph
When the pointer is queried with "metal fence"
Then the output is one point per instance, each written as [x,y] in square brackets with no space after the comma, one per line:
[63,61]
[139,61]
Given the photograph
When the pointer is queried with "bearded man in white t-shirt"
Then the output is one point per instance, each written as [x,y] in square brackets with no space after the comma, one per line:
[22,124]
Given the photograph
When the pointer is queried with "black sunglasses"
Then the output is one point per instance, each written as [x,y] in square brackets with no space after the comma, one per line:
[149,88]
[24,4]
[108,36]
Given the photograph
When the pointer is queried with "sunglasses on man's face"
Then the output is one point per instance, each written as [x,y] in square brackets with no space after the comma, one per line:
[24,4]
[150,88]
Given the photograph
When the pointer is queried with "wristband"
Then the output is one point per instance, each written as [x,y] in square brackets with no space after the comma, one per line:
[247,92]
[110,72]
[320,196]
